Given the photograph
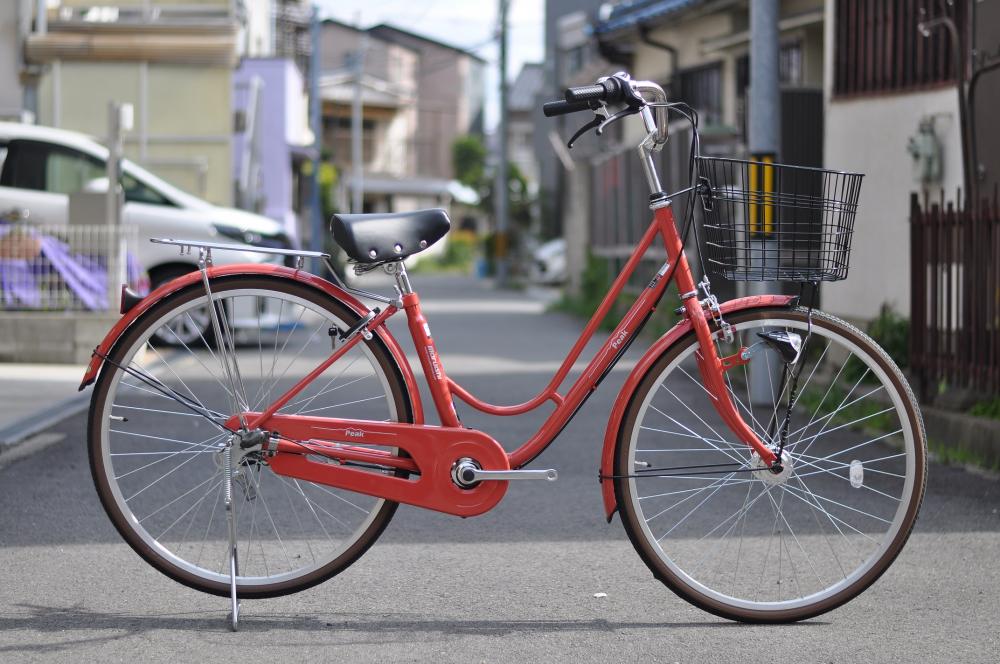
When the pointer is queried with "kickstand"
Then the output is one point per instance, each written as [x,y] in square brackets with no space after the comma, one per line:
[234,614]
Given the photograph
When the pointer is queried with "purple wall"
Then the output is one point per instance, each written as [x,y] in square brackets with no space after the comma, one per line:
[280,102]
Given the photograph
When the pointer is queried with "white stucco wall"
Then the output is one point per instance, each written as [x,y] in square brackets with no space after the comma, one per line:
[870,136]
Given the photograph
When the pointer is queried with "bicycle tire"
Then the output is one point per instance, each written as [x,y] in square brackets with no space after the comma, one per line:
[724,590]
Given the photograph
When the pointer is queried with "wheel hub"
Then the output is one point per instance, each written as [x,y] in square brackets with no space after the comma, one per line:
[770,474]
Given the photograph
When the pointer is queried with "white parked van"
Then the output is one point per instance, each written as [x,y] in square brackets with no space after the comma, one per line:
[41,166]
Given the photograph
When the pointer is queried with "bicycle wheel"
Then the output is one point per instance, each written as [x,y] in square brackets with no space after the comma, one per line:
[750,545]
[158,466]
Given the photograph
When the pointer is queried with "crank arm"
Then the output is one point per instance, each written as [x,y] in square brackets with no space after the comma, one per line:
[467,473]
[477,475]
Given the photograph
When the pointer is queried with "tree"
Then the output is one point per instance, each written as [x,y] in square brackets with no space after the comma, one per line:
[468,158]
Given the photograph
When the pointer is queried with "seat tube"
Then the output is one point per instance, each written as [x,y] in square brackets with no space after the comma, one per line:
[437,380]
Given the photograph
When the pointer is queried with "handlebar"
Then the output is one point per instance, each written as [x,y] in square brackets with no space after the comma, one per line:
[611,90]
[618,89]
[554,108]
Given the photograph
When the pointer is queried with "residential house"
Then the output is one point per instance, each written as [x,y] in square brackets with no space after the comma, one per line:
[450,93]
[174,63]
[524,113]
[571,58]
[859,83]
[698,51]
[886,84]
[274,143]
[401,117]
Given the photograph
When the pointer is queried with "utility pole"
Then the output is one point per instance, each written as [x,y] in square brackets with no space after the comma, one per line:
[119,120]
[316,226]
[357,122]
[765,102]
[764,143]
[501,245]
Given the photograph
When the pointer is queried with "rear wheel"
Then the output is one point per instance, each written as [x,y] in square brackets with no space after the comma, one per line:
[743,542]
[158,466]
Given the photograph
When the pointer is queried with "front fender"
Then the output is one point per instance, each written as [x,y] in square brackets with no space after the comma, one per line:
[672,336]
[270,270]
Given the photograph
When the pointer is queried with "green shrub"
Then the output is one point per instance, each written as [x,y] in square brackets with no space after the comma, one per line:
[458,255]
[990,409]
[594,285]
[890,331]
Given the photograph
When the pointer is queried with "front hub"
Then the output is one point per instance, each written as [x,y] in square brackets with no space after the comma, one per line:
[777,474]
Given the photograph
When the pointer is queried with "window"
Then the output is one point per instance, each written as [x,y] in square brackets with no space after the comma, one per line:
[877,47]
[702,89]
[47,167]
[137,192]
[68,172]
[575,59]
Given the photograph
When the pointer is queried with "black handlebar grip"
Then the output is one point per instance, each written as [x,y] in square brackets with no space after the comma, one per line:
[586,93]
[553,108]
[609,90]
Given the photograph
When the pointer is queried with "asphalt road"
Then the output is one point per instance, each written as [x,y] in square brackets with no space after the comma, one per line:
[517,584]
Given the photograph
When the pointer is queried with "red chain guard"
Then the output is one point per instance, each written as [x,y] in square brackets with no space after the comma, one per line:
[432,449]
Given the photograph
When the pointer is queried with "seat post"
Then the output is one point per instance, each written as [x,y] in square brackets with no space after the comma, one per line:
[398,270]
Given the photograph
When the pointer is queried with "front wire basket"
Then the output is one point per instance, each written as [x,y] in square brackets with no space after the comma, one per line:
[773,222]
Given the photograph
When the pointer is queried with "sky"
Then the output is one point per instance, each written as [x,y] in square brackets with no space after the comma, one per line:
[469,24]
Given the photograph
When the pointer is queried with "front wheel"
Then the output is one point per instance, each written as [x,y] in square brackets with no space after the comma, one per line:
[743,542]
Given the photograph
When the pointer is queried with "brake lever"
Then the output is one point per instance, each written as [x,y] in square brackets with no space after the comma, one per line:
[596,122]
[614,118]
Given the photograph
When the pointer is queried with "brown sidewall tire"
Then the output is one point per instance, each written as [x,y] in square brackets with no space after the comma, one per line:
[631,521]
[386,363]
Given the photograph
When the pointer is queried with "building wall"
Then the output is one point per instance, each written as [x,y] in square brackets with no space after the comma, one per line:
[280,123]
[183,122]
[11,92]
[870,136]
[445,99]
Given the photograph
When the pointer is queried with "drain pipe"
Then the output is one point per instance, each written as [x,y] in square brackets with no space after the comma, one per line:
[646,39]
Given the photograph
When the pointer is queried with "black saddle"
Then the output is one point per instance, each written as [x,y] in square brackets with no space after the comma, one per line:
[374,238]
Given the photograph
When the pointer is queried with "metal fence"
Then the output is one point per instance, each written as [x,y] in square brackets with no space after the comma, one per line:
[955,295]
[878,47]
[65,267]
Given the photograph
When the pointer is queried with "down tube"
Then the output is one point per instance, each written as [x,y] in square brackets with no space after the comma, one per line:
[604,359]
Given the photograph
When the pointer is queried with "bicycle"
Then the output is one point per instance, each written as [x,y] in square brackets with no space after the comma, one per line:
[767,460]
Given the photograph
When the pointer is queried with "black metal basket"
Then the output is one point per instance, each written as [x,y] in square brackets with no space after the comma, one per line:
[773,222]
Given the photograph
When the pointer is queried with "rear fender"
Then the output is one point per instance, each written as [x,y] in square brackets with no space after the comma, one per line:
[268,270]
[675,334]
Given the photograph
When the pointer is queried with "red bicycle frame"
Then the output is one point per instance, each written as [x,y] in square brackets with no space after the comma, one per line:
[432,450]
[423,474]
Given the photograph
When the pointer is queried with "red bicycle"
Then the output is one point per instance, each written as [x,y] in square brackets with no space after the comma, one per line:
[767,460]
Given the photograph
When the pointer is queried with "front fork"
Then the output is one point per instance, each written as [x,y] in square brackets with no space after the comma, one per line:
[710,365]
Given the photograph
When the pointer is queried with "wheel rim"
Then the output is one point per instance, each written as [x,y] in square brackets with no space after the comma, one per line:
[170,497]
[745,541]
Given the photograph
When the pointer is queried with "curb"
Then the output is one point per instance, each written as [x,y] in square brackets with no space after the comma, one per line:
[28,426]
[968,438]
